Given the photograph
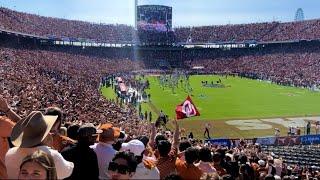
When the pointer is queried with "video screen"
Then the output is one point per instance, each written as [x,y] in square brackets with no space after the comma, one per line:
[154,18]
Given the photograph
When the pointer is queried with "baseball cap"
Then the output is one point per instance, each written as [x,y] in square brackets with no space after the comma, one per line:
[135,146]
[261,162]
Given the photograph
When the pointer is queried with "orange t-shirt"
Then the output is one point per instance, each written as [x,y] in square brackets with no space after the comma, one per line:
[188,171]
[166,165]
[6,126]
[59,142]
[3,170]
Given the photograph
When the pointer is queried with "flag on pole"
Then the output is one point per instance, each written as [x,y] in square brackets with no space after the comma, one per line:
[186,109]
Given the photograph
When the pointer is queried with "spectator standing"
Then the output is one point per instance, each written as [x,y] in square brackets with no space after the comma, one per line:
[168,154]
[104,149]
[59,141]
[146,169]
[84,158]
[29,135]
[186,169]
[38,165]
[123,166]
[205,158]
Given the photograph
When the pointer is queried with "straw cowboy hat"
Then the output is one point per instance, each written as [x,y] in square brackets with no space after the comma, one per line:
[32,130]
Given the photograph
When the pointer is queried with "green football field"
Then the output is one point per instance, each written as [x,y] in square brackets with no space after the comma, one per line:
[240,99]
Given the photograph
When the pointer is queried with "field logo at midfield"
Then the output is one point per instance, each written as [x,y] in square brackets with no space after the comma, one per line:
[256,124]
[249,124]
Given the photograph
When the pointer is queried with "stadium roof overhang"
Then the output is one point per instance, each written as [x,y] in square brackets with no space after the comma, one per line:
[19,34]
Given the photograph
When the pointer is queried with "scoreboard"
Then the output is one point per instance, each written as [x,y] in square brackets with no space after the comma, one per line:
[154,17]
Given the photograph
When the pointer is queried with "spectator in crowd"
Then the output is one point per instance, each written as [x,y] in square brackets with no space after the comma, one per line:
[29,135]
[7,110]
[168,154]
[84,158]
[6,126]
[38,165]
[104,149]
[217,164]
[72,131]
[146,169]
[187,169]
[59,141]
[184,145]
[245,170]
[205,163]
[122,166]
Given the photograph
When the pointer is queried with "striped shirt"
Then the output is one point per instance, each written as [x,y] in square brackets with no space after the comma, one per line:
[167,165]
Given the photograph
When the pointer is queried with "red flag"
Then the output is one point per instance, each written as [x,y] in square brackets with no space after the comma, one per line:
[186,109]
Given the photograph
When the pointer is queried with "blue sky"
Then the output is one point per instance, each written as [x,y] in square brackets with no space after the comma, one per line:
[185,12]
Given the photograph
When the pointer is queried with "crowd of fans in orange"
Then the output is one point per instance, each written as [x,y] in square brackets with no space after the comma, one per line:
[297,68]
[91,137]
[60,28]
[55,124]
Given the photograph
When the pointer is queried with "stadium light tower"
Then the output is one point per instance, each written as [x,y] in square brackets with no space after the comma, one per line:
[135,13]
[299,16]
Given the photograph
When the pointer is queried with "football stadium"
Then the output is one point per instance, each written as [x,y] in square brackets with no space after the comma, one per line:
[156,98]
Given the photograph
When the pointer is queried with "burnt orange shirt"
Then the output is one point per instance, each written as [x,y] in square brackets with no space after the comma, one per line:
[166,165]
[3,170]
[59,142]
[6,126]
[188,171]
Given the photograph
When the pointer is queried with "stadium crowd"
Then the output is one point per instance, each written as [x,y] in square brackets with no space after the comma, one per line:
[294,68]
[70,29]
[55,124]
[53,112]
[62,29]
[260,32]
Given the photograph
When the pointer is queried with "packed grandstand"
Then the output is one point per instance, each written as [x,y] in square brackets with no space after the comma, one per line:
[37,72]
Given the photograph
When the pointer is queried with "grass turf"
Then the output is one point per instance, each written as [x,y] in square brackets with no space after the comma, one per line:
[241,99]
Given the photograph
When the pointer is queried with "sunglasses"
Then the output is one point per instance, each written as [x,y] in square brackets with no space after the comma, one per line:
[122,169]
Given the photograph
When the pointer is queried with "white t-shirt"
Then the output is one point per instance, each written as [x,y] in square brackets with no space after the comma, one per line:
[15,156]
[144,173]
[105,154]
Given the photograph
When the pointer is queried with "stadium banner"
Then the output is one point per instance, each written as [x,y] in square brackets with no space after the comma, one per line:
[266,140]
[221,142]
[237,142]
[310,139]
[288,141]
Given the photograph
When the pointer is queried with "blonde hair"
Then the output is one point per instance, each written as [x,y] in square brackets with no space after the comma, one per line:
[44,160]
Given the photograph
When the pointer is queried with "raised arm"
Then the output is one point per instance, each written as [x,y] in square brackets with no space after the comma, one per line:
[4,107]
[152,134]
[176,134]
